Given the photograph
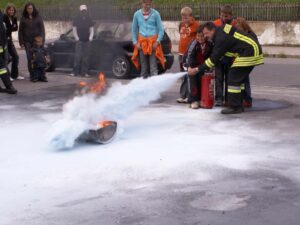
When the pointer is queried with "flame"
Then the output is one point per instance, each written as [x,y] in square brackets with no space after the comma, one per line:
[104,124]
[97,87]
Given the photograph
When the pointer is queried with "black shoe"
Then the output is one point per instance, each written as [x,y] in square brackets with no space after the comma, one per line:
[11,91]
[34,80]
[44,80]
[2,90]
[235,110]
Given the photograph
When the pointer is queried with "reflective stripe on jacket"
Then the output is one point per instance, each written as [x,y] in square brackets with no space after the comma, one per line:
[234,43]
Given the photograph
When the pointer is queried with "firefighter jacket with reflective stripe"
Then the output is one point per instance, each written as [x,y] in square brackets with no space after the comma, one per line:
[244,48]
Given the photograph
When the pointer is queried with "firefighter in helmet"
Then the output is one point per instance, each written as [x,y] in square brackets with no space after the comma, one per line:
[246,53]
[4,74]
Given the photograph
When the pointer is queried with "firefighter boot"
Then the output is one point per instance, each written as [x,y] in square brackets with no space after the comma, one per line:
[7,83]
[233,110]
[235,102]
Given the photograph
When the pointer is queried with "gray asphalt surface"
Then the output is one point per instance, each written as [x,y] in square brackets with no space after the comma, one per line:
[274,199]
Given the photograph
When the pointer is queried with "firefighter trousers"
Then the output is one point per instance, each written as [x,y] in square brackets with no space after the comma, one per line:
[237,77]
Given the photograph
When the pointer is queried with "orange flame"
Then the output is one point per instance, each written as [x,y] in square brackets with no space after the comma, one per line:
[104,124]
[97,87]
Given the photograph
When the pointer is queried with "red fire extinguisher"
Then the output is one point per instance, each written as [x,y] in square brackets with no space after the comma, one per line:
[207,90]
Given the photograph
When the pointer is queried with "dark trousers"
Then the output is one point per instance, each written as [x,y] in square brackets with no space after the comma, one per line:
[183,91]
[247,95]
[194,88]
[221,80]
[237,77]
[14,59]
[28,47]
[81,61]
[39,73]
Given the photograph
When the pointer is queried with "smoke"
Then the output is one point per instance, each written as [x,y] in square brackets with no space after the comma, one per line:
[85,112]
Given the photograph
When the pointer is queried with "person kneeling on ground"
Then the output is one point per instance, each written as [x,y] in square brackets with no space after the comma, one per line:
[39,60]
[4,75]
[198,51]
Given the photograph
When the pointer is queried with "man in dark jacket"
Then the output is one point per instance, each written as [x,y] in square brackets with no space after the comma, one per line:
[247,53]
[3,68]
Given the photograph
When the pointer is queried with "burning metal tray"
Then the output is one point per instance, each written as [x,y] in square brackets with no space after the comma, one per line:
[102,135]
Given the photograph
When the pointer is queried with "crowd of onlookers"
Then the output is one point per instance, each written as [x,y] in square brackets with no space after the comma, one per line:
[195,48]
[228,46]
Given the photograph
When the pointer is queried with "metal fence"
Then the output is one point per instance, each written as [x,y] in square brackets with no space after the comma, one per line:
[205,12]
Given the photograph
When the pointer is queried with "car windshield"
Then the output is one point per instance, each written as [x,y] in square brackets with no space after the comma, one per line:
[109,30]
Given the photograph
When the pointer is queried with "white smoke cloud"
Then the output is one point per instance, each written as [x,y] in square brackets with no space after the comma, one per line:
[85,112]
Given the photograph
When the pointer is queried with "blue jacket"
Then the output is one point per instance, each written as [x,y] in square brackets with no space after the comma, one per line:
[147,28]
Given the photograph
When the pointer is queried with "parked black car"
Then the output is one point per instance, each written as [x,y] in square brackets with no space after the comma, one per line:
[111,50]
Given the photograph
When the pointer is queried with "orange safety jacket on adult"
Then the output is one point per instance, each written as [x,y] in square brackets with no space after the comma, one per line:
[147,49]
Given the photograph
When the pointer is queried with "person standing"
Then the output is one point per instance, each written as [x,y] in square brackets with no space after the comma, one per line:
[83,30]
[242,25]
[4,75]
[31,25]
[222,67]
[39,60]
[11,23]
[188,31]
[147,33]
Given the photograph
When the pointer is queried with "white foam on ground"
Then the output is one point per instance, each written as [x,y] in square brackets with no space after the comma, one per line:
[174,145]
[85,112]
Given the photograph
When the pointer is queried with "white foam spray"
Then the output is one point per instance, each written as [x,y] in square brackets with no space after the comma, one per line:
[85,112]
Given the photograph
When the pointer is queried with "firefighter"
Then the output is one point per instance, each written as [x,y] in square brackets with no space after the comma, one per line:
[246,51]
[4,75]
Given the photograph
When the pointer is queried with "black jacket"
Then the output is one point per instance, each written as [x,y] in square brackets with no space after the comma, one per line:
[30,28]
[38,57]
[3,39]
[228,41]
[11,25]
[194,56]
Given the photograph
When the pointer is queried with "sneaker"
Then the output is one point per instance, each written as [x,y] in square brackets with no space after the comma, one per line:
[11,79]
[235,110]
[182,100]
[195,105]
[72,74]
[20,78]
[247,104]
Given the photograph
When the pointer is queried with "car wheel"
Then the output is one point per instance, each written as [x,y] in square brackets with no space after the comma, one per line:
[121,67]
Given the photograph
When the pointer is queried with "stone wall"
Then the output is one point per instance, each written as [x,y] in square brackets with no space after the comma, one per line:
[269,33]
